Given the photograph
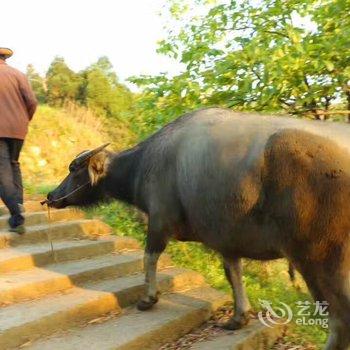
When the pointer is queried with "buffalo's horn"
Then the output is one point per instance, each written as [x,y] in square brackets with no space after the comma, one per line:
[81,158]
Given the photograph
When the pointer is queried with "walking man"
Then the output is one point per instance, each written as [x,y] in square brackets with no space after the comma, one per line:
[17,107]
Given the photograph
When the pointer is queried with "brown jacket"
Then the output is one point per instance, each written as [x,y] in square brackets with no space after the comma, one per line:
[17,102]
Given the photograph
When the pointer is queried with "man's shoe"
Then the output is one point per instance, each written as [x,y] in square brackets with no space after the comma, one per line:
[20,229]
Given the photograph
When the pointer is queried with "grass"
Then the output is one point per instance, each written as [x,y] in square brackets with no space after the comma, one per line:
[41,189]
[264,281]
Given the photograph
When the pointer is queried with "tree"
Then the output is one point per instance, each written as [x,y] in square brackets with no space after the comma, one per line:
[62,83]
[270,55]
[37,83]
[101,91]
[105,66]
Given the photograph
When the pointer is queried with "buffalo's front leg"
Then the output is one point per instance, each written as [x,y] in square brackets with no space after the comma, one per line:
[233,271]
[155,245]
[150,298]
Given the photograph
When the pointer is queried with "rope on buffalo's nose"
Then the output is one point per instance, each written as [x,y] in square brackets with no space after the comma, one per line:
[48,202]
[48,234]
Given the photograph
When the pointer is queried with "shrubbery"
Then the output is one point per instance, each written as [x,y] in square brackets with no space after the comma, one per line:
[57,135]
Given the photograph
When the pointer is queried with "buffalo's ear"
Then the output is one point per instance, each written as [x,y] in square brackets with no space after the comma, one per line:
[98,165]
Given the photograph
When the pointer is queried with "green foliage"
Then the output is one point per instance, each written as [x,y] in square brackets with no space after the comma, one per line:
[123,218]
[33,190]
[37,83]
[97,87]
[102,93]
[265,56]
[99,93]
[62,83]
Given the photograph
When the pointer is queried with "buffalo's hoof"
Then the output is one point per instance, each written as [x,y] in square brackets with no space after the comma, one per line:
[144,305]
[236,323]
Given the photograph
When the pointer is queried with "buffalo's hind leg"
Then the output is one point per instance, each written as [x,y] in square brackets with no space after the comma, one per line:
[339,314]
[330,281]
[234,271]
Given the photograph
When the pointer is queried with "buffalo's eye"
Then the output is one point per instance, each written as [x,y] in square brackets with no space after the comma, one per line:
[72,167]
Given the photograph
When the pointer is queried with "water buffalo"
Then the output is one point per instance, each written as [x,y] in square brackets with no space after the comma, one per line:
[247,186]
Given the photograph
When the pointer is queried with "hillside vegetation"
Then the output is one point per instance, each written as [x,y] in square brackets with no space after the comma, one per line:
[57,135]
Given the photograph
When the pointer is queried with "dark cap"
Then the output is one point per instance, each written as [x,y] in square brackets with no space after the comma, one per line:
[5,52]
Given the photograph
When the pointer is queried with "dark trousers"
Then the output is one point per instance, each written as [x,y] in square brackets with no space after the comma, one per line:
[11,188]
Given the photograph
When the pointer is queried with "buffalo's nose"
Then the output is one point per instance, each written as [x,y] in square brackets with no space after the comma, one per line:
[49,196]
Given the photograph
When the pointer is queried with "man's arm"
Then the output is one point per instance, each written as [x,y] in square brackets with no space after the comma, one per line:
[28,96]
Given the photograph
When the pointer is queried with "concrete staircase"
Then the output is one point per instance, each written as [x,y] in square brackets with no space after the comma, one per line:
[68,284]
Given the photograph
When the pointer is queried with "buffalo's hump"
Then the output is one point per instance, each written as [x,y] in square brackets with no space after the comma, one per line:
[218,143]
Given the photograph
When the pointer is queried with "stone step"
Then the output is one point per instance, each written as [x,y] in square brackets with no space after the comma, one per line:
[41,217]
[26,321]
[56,231]
[254,336]
[29,206]
[25,257]
[37,282]
[175,315]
